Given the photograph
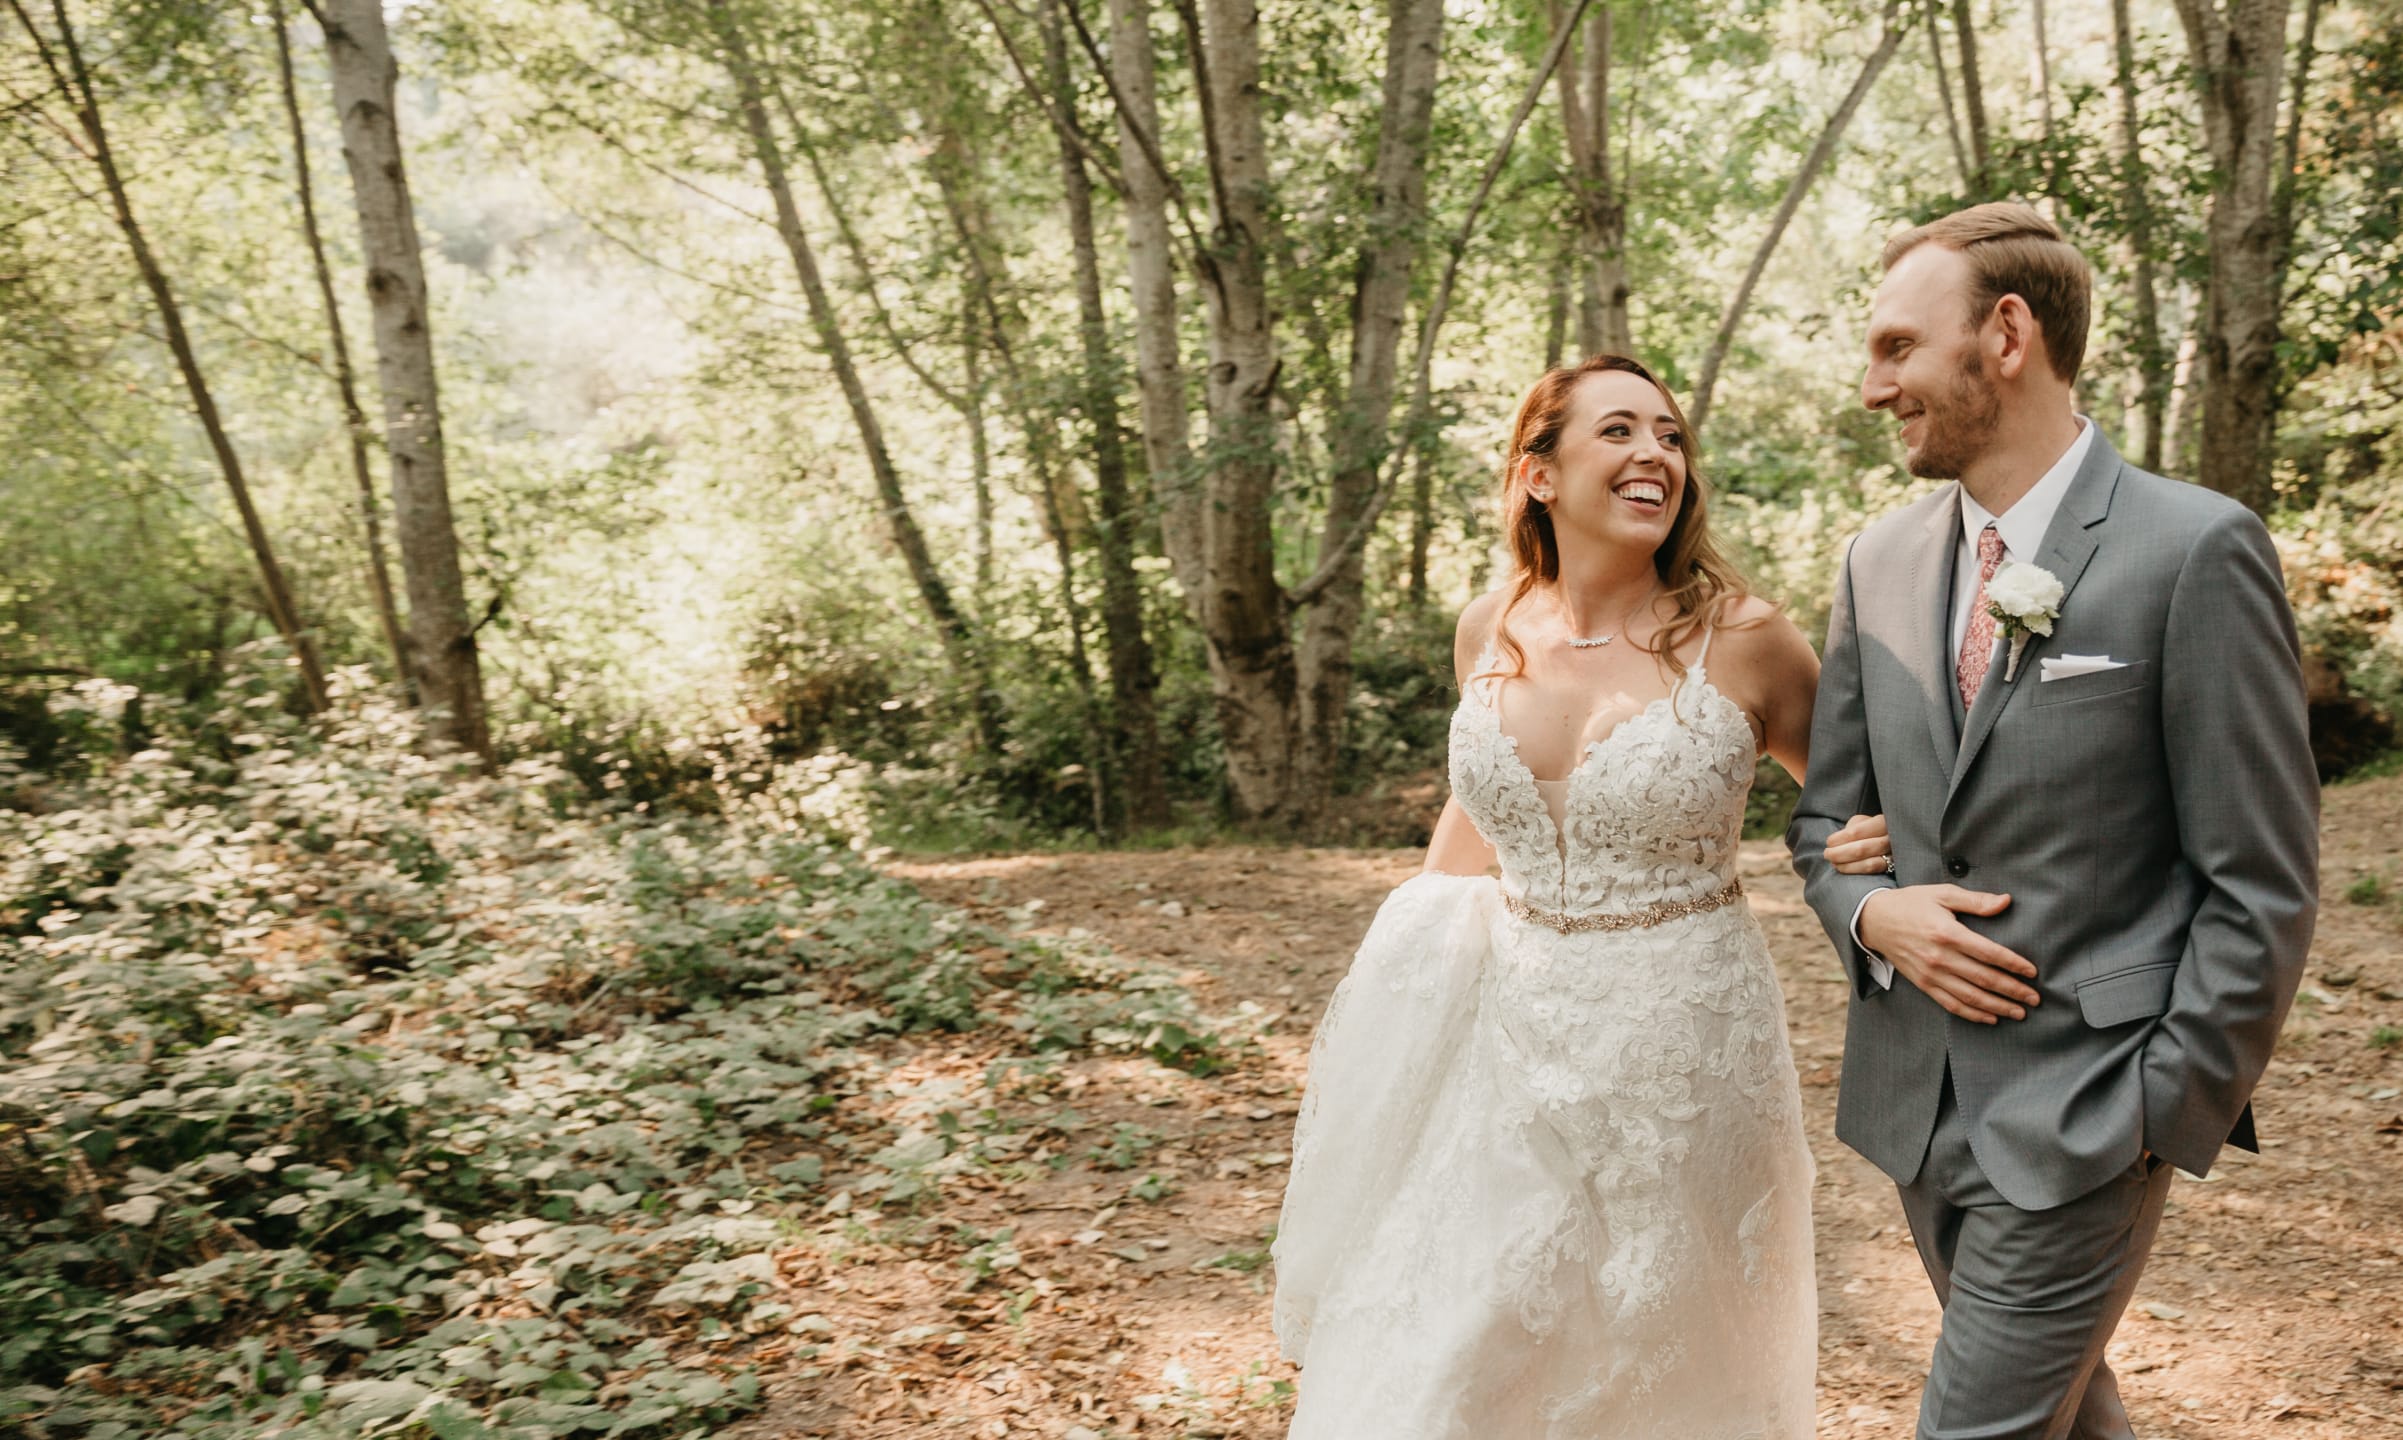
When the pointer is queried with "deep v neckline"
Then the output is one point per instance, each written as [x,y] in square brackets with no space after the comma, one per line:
[1490,703]
[1492,707]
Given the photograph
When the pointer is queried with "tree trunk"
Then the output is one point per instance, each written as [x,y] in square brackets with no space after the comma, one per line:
[1888,41]
[959,642]
[442,642]
[1599,205]
[1100,763]
[1422,514]
[76,84]
[1952,119]
[1556,309]
[1151,271]
[1133,679]
[2152,358]
[346,380]
[2290,160]
[1973,99]
[2041,63]
[980,450]
[1419,420]
[2182,424]
[1364,434]
[2238,51]
[1243,607]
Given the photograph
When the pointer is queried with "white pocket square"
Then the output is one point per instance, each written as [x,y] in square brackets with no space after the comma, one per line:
[2061,667]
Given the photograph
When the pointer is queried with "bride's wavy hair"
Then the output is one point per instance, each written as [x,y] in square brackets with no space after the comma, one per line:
[1695,574]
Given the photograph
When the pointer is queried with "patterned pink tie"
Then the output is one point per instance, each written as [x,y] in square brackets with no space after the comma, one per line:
[1977,647]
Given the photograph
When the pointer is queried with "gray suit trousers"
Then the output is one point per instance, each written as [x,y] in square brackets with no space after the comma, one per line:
[2031,1295]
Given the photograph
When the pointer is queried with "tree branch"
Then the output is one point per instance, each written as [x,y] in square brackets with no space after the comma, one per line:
[1421,400]
[1065,124]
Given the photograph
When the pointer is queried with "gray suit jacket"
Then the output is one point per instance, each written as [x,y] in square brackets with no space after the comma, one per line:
[2156,826]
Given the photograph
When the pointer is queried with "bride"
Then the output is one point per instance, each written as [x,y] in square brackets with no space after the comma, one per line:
[1549,1180]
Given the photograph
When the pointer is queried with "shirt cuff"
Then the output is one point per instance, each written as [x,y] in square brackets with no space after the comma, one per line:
[1880,969]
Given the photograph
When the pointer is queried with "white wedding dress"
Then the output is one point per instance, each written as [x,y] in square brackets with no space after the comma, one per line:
[1549,1179]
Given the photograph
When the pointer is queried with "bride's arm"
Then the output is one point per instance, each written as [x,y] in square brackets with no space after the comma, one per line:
[1782,673]
[1457,848]
[1787,684]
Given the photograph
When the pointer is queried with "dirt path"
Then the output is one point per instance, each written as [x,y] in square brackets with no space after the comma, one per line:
[1131,1297]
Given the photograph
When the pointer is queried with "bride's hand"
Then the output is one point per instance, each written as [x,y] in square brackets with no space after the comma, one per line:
[1862,847]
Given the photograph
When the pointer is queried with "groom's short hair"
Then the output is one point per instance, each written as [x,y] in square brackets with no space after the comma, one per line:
[2012,250]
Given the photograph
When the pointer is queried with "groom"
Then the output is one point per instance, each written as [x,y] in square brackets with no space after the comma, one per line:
[2104,819]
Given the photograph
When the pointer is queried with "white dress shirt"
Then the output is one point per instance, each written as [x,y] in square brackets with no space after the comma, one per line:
[2021,526]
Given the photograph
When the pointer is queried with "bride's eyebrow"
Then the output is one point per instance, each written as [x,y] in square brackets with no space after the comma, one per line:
[1663,418]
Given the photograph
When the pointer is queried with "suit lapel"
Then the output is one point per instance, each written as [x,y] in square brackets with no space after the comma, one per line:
[1931,600]
[2069,546]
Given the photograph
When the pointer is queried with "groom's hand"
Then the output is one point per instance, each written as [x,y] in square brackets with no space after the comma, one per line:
[1915,928]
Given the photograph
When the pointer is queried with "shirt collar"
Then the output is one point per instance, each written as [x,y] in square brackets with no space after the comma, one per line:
[2022,526]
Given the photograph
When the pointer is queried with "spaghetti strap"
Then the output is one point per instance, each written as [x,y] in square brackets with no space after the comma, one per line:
[1702,656]
[1477,682]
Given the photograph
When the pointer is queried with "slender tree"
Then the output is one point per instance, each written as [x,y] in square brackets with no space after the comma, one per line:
[1952,118]
[1363,437]
[346,381]
[2041,64]
[443,654]
[1133,676]
[1243,608]
[959,641]
[2238,52]
[1598,197]
[1151,273]
[1973,100]
[2152,357]
[74,80]
[1888,41]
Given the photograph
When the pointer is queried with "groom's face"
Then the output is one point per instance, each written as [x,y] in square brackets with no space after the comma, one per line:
[1927,364]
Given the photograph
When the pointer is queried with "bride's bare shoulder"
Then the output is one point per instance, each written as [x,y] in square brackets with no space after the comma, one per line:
[1757,633]
[1475,629]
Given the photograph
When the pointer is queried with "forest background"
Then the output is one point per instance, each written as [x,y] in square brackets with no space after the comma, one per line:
[539,498]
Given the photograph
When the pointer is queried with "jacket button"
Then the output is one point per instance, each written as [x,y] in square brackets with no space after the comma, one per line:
[1956,867]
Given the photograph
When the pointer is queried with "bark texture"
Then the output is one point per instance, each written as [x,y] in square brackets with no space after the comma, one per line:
[1599,198]
[2238,53]
[2152,356]
[282,611]
[1134,679]
[442,642]
[346,379]
[1889,40]
[1243,607]
[1973,100]
[1151,273]
[1363,436]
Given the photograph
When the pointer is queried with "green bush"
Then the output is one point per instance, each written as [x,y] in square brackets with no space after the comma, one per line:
[344,1089]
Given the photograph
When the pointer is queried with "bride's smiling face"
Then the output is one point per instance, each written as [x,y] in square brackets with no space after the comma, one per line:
[1617,476]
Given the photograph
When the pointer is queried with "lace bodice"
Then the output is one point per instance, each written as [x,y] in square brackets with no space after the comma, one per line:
[1652,812]
[1550,1182]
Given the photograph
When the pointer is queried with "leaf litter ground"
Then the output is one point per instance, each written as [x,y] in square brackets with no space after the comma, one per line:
[1128,1293]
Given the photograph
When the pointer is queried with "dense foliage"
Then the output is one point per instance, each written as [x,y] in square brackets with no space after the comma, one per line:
[352,1092]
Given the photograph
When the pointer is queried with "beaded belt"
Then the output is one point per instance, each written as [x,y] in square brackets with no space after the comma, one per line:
[1643,919]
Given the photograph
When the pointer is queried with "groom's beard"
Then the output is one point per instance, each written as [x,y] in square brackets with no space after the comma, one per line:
[1960,425]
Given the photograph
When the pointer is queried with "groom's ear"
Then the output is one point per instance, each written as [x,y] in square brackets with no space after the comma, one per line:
[2012,338]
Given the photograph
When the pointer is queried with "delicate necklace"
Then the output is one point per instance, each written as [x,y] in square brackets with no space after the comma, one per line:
[1596,642]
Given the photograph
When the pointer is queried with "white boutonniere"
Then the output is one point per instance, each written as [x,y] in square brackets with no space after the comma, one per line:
[2024,600]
